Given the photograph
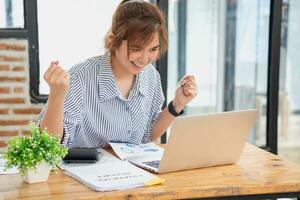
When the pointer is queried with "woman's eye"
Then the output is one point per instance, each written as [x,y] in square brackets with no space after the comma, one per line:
[155,49]
[135,49]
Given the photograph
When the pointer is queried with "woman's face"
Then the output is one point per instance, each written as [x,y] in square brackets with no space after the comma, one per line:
[138,57]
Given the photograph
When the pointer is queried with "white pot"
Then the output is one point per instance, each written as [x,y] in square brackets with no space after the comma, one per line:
[41,173]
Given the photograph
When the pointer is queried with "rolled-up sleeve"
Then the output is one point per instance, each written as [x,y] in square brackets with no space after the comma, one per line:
[73,110]
[156,109]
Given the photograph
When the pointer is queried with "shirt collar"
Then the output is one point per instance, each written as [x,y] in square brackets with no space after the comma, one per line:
[107,86]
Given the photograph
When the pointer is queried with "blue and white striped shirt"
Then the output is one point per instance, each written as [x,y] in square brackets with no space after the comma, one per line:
[95,111]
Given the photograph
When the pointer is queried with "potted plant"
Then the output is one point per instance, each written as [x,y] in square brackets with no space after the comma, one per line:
[34,155]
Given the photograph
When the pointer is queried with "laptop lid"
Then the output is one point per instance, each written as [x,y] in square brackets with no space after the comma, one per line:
[206,140]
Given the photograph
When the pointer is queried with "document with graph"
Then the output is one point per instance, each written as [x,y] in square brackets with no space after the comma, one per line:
[146,156]
[125,151]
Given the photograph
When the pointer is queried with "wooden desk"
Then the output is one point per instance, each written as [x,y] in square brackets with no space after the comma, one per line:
[258,174]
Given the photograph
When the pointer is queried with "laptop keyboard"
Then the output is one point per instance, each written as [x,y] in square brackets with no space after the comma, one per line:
[154,163]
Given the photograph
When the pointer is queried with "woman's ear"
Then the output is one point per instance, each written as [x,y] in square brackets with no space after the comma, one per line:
[110,40]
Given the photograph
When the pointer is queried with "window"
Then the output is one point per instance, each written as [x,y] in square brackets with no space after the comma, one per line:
[74,33]
[11,14]
[225,45]
[289,93]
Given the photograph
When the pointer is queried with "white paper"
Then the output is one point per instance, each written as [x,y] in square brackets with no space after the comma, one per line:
[12,170]
[126,150]
[110,176]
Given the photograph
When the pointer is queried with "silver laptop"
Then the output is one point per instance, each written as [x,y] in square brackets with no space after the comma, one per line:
[202,141]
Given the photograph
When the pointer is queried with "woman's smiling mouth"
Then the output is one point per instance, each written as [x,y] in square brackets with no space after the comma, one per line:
[136,65]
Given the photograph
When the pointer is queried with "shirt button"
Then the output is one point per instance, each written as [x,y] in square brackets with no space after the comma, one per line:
[127,107]
[128,131]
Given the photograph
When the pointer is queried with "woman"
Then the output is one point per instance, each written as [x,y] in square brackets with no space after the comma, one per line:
[116,96]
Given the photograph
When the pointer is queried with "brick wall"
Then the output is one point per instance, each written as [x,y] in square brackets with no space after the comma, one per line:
[15,107]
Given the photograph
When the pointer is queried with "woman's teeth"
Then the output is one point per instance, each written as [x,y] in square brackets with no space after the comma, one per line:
[140,66]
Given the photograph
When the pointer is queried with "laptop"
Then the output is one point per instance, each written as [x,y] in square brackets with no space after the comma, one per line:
[199,141]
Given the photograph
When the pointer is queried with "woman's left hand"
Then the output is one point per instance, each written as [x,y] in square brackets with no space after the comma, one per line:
[186,91]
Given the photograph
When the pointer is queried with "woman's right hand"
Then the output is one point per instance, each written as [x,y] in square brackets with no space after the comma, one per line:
[57,79]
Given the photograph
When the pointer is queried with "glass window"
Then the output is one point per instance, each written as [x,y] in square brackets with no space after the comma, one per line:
[225,45]
[11,14]
[289,93]
[71,31]
[251,62]
[193,39]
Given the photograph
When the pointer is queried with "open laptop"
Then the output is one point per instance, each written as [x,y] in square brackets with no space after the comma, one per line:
[202,141]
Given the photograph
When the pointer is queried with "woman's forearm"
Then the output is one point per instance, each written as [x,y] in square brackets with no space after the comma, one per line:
[53,117]
[164,121]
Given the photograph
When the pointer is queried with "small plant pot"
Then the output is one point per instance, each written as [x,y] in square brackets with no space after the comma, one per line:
[41,173]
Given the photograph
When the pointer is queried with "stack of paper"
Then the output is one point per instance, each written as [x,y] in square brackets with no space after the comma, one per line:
[112,176]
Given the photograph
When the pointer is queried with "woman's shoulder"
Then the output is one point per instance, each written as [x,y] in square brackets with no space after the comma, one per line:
[88,66]
[151,73]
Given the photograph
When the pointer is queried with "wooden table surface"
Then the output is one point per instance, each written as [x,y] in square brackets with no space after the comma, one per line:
[257,172]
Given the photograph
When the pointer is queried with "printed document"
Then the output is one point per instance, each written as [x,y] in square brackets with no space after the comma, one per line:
[146,156]
[113,176]
[125,151]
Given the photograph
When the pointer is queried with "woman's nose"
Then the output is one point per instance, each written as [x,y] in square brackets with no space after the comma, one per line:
[143,58]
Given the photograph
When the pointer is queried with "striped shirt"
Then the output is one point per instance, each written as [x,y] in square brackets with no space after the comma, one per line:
[95,112]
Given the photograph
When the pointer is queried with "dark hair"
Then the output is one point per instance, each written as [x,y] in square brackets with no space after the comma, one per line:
[136,20]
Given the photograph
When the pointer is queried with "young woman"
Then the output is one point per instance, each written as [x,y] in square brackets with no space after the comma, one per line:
[116,96]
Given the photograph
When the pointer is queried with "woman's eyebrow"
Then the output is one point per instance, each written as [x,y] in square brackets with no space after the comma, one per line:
[155,47]
[135,46]
[138,46]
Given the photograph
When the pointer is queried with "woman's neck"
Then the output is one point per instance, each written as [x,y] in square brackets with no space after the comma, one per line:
[120,72]
[124,79]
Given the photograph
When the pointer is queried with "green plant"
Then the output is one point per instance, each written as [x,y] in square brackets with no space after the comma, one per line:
[28,151]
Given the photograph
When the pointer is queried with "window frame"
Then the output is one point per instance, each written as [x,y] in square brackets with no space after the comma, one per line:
[29,32]
[15,32]
[36,96]
[34,69]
